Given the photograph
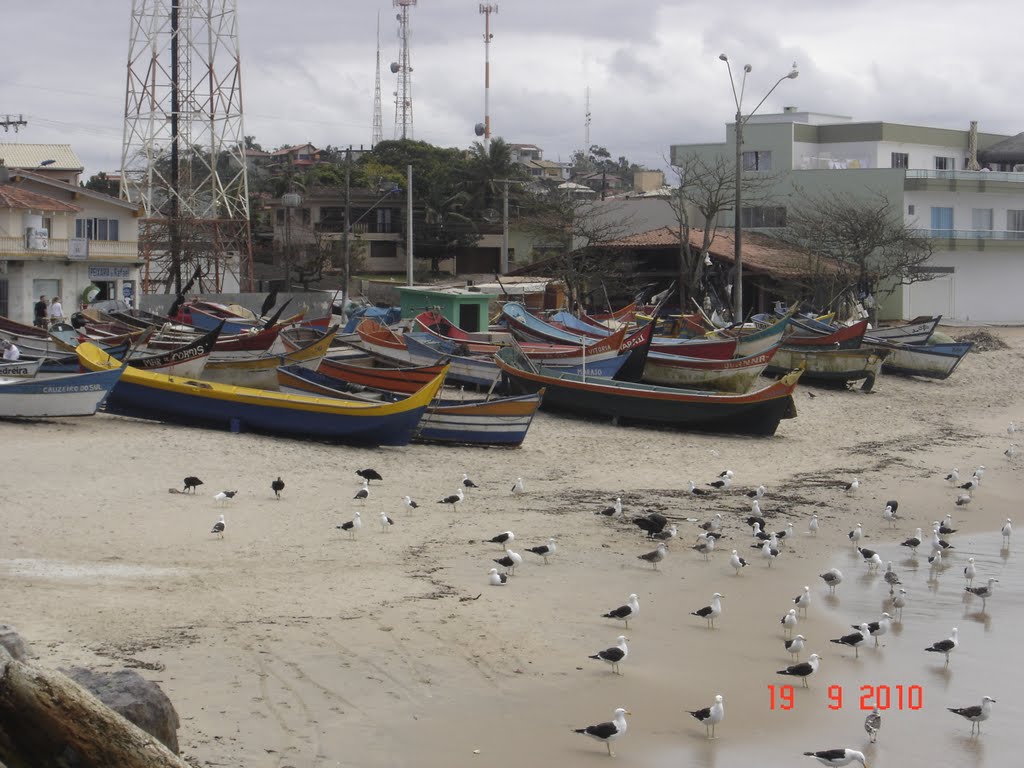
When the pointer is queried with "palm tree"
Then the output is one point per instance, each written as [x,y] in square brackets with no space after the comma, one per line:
[484,172]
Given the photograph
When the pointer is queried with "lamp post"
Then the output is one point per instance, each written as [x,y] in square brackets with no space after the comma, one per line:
[738,225]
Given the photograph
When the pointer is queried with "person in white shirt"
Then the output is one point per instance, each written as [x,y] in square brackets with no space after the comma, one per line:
[56,311]
[11,352]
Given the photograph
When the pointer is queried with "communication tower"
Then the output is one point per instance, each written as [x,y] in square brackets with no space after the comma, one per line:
[586,123]
[484,128]
[402,68]
[378,123]
[183,148]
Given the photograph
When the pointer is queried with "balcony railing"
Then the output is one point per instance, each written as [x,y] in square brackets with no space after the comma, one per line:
[969,234]
[1013,176]
[106,250]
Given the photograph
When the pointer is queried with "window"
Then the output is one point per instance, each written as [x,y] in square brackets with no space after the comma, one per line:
[96,229]
[900,160]
[910,210]
[981,221]
[307,216]
[764,216]
[384,220]
[942,221]
[1015,223]
[757,161]
[279,216]
[945,163]
[48,225]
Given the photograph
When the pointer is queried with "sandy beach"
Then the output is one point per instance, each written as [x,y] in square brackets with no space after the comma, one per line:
[286,643]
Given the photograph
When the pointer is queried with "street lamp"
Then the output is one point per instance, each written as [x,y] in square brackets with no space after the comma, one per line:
[740,122]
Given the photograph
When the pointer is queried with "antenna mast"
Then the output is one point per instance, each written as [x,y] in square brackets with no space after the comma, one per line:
[586,123]
[487,9]
[402,68]
[378,124]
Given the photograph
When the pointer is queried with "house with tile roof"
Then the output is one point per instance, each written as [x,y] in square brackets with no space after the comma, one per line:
[54,161]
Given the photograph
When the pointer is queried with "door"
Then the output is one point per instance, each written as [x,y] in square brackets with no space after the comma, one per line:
[933,297]
[469,317]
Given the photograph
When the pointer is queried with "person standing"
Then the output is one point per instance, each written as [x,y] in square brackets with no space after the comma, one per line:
[40,313]
[56,311]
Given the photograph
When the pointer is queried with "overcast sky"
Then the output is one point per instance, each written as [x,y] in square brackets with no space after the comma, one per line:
[651,65]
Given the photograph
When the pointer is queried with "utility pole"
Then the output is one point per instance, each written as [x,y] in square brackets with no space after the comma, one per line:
[348,218]
[9,122]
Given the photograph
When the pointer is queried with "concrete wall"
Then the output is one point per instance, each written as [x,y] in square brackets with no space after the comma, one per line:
[984,287]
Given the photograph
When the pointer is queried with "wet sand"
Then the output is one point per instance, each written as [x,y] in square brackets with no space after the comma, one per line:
[288,644]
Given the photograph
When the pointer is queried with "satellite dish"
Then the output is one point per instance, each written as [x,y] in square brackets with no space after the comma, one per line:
[394,67]
[490,215]
[478,129]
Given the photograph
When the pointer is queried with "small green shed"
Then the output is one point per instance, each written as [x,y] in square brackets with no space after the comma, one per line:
[466,307]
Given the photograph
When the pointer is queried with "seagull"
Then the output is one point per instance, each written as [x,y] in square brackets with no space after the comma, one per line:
[938,543]
[944,526]
[953,477]
[544,550]
[653,523]
[510,560]
[970,571]
[935,559]
[190,484]
[854,640]
[614,655]
[503,538]
[757,531]
[833,577]
[352,525]
[852,486]
[467,483]
[385,522]
[890,576]
[277,486]
[369,474]
[697,491]
[889,513]
[872,723]
[737,562]
[518,489]
[971,485]
[984,591]
[713,524]
[796,645]
[963,499]
[364,492]
[803,670]
[769,553]
[1011,428]
[946,646]
[867,554]
[615,509]
[409,503]
[877,628]
[224,496]
[497,579]
[726,473]
[755,513]
[624,612]
[899,602]
[977,715]
[1011,452]
[218,527]
[789,621]
[607,732]
[978,472]
[655,556]
[812,526]
[710,716]
[709,612]
[1006,530]
[454,499]
[838,757]
[785,533]
[670,533]
[802,600]
[913,542]
[705,545]
[757,493]
[856,534]
[721,482]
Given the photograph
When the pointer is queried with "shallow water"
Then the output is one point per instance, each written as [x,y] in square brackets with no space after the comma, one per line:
[985,663]
[59,570]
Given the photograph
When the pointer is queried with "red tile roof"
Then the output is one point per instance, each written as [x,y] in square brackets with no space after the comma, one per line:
[12,196]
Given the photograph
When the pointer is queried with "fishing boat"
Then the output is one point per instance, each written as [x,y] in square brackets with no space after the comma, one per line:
[500,421]
[79,394]
[916,331]
[261,371]
[836,337]
[835,366]
[367,373]
[736,375]
[188,360]
[936,361]
[753,413]
[752,341]
[21,369]
[203,403]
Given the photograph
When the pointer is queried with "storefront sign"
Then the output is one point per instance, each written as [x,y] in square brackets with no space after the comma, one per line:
[78,249]
[109,273]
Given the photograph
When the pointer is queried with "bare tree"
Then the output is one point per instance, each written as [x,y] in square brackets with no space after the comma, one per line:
[858,243]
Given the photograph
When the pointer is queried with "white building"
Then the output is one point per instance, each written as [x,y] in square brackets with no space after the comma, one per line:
[975,217]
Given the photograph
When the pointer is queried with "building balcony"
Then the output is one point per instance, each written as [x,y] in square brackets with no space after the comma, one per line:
[16,249]
[973,239]
[918,180]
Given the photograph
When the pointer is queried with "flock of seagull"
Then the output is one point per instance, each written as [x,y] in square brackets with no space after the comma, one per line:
[769,546]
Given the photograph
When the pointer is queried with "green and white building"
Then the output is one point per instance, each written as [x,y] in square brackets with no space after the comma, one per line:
[975,217]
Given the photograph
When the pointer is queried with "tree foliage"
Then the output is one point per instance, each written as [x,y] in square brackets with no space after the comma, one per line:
[100,182]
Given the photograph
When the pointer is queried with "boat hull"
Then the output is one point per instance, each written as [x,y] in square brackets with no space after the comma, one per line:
[80,394]
[737,375]
[936,362]
[838,366]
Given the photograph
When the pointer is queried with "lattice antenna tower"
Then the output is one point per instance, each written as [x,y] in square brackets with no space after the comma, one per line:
[378,123]
[183,148]
[402,68]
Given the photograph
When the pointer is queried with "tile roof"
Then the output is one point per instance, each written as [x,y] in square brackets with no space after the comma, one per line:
[29,156]
[12,196]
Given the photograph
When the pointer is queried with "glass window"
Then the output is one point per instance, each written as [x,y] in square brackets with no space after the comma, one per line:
[764,216]
[942,219]
[1015,220]
[910,210]
[757,161]
[97,229]
[981,219]
[945,163]
[900,160]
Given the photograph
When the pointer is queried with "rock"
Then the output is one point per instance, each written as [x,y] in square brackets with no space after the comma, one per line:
[135,698]
[11,640]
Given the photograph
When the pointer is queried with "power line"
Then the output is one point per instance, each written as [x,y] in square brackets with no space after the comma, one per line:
[9,122]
